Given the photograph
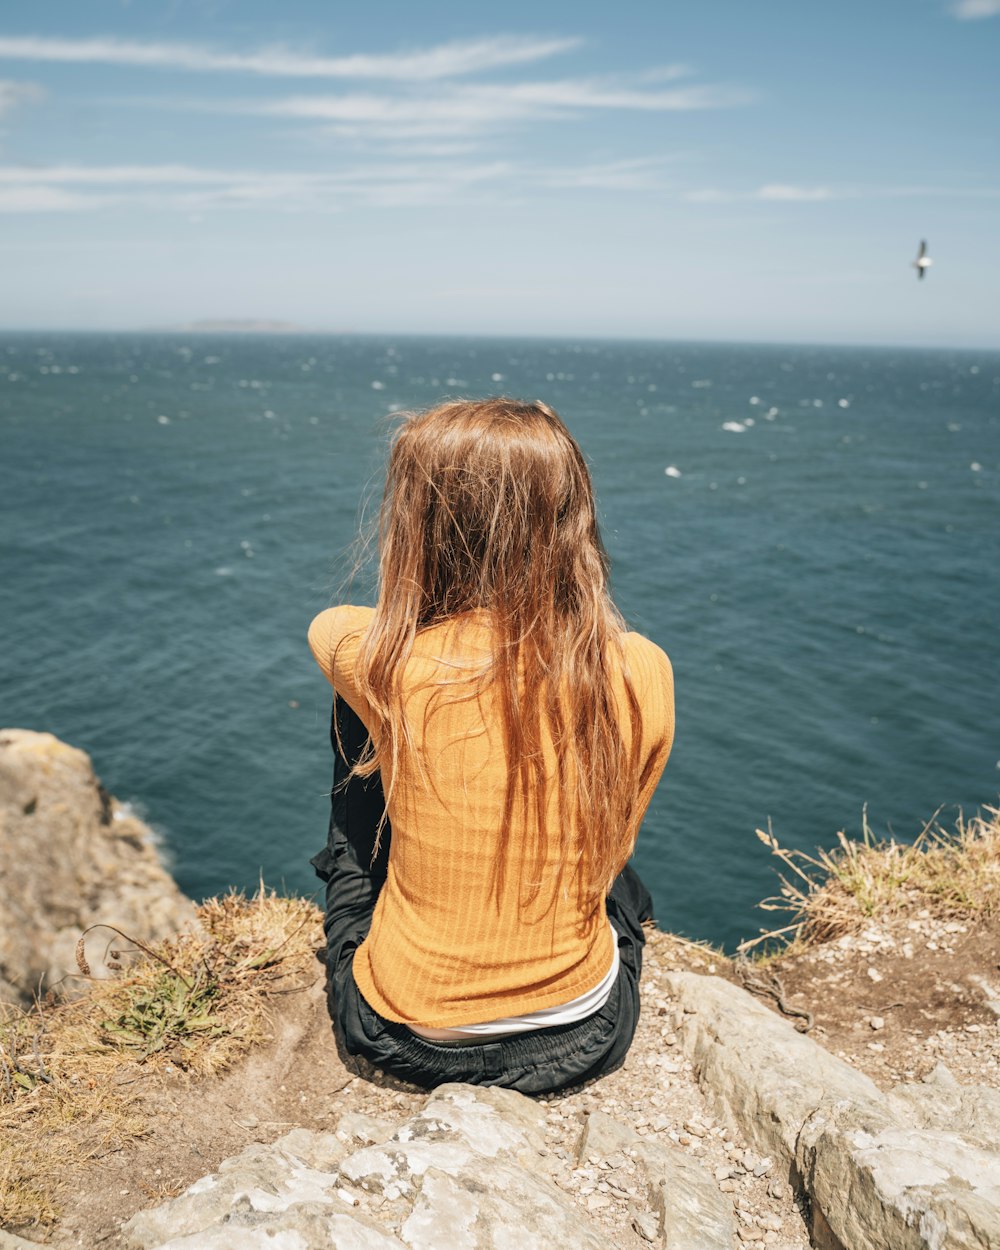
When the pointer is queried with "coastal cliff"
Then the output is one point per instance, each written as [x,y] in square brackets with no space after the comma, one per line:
[845,1095]
[70,856]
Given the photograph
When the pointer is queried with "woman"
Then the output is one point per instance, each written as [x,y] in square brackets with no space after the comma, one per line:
[498,735]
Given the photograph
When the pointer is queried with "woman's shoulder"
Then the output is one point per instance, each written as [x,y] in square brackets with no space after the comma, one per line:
[642,651]
[335,626]
[651,673]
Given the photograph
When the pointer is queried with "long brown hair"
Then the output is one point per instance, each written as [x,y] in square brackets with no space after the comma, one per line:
[489,505]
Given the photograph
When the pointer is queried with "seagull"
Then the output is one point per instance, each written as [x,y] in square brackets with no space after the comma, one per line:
[923,261]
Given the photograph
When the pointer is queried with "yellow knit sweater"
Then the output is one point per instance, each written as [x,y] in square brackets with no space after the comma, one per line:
[444,949]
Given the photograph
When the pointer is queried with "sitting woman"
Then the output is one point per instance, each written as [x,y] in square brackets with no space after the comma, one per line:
[498,735]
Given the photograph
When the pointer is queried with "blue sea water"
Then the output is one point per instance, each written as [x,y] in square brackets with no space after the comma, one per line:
[812,534]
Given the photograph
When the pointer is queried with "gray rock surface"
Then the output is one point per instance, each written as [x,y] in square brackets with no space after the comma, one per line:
[939,1101]
[759,1075]
[689,1211]
[915,1169]
[879,1183]
[8,1241]
[467,1172]
[70,856]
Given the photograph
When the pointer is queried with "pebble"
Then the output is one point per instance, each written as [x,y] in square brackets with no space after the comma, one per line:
[749,1234]
[596,1201]
[762,1168]
[749,1160]
[723,1173]
[692,1126]
[770,1220]
[777,1188]
[728,1186]
[875,974]
[877,1023]
[646,1225]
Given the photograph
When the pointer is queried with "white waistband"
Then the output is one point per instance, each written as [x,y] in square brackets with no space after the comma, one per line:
[565,1013]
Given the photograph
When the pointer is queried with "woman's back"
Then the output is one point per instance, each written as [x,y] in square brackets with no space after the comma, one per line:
[453,941]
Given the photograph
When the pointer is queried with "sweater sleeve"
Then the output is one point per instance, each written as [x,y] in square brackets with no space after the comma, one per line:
[335,639]
[654,681]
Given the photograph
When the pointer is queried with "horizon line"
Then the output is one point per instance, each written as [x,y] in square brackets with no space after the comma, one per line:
[296,331]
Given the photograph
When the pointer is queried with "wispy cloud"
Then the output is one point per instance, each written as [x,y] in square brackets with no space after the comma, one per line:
[972,10]
[43,199]
[71,188]
[14,93]
[780,192]
[788,193]
[771,191]
[457,110]
[446,60]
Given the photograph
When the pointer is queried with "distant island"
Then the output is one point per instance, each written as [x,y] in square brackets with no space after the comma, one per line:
[238,327]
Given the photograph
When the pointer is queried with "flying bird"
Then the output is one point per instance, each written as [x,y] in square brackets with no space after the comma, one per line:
[923,261]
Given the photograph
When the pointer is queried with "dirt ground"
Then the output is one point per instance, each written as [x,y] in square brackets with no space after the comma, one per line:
[902,996]
[893,1000]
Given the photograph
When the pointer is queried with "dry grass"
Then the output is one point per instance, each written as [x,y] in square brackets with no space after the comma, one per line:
[954,873]
[72,1073]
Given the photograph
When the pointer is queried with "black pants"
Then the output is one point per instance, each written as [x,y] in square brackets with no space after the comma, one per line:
[533,1062]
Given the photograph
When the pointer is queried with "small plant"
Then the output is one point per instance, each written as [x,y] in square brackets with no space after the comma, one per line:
[170,1010]
[73,1073]
[832,893]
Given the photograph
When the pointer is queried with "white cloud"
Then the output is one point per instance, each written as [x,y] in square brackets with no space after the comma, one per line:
[190,189]
[633,175]
[14,93]
[446,60]
[421,179]
[459,110]
[127,175]
[46,199]
[971,10]
[779,192]
[782,191]
[774,191]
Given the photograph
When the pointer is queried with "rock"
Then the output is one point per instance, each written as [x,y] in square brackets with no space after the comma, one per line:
[70,856]
[761,1077]
[259,1180]
[646,1225]
[916,1169]
[877,1183]
[603,1136]
[940,1102]
[693,1214]
[322,1151]
[303,1226]
[368,1130]
[466,1172]
[9,1242]
[503,1206]
[690,1210]
[459,1127]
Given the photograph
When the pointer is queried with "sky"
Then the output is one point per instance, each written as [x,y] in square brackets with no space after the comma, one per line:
[689,169]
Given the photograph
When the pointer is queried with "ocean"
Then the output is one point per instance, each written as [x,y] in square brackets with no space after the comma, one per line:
[811,533]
